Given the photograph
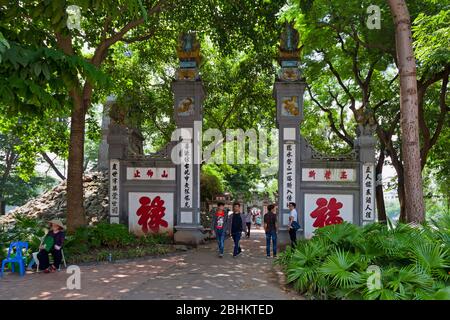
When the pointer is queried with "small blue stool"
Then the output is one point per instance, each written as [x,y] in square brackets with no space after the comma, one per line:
[18,258]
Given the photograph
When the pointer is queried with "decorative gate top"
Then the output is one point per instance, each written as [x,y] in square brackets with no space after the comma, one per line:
[188,51]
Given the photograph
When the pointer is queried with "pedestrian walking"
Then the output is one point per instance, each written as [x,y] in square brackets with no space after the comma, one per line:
[258,220]
[271,229]
[237,226]
[248,222]
[219,225]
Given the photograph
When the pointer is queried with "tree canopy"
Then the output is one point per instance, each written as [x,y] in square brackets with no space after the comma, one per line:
[52,79]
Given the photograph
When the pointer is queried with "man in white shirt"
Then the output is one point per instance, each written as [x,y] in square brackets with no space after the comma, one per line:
[293,216]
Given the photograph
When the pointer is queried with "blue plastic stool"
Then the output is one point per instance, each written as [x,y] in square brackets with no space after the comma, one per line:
[18,258]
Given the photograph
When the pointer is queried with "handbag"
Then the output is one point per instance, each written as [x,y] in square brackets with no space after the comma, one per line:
[295,225]
[48,243]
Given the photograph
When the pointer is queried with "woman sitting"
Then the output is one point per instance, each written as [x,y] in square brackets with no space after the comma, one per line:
[52,243]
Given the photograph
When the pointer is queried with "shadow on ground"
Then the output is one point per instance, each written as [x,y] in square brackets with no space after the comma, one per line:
[195,274]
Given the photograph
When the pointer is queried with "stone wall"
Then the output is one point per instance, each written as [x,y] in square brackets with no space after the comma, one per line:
[52,204]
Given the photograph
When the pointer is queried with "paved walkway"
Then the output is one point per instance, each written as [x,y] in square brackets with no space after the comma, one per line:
[195,274]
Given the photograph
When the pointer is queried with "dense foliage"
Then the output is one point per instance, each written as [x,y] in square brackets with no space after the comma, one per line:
[339,262]
[127,48]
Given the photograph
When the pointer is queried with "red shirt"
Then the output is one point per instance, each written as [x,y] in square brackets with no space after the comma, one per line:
[220,217]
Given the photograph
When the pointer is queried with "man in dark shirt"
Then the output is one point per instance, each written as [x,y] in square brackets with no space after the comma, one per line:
[271,229]
[237,225]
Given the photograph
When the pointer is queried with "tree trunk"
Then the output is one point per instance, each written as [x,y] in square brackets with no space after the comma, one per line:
[402,197]
[75,209]
[381,209]
[2,207]
[414,203]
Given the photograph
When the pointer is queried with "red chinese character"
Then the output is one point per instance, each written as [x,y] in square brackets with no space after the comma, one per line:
[327,175]
[150,173]
[164,174]
[326,213]
[151,214]
[312,174]
[137,173]
[343,175]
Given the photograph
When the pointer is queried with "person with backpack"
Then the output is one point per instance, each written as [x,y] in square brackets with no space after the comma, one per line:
[219,225]
[237,226]
[293,224]
[271,229]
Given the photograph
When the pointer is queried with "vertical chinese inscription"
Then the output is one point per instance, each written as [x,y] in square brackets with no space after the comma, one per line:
[368,187]
[186,175]
[288,174]
[114,188]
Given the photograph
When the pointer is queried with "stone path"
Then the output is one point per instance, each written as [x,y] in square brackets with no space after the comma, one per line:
[195,274]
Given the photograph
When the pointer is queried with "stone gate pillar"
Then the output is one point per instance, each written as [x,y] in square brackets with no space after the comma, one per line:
[117,151]
[188,98]
[103,153]
[365,143]
[288,92]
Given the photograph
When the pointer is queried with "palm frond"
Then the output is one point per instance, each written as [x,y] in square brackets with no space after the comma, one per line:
[339,267]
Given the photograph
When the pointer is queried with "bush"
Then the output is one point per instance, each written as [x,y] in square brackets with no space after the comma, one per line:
[113,235]
[26,229]
[81,241]
[414,262]
[155,238]
[86,243]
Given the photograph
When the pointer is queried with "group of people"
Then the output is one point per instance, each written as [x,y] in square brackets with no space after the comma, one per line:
[256,217]
[223,223]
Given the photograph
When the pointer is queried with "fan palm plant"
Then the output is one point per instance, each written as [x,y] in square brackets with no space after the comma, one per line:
[302,270]
[413,262]
[433,258]
[341,268]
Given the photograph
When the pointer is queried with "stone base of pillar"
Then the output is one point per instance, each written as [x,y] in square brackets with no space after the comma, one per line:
[192,236]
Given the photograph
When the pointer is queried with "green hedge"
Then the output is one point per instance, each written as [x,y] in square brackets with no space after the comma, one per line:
[90,243]
[111,236]
[338,262]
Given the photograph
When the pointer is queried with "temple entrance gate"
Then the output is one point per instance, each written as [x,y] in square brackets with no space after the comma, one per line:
[154,193]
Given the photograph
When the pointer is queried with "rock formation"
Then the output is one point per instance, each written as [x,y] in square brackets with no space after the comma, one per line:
[53,204]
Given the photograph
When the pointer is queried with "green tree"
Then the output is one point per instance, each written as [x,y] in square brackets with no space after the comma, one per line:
[41,45]
[211,183]
[18,180]
[352,69]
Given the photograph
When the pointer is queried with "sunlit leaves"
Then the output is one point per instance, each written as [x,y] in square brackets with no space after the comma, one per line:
[432,41]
